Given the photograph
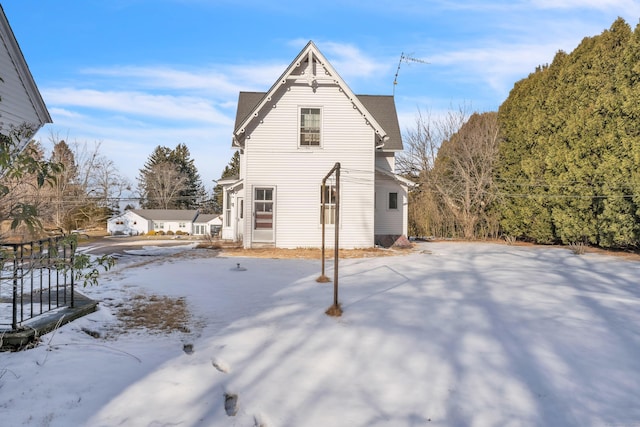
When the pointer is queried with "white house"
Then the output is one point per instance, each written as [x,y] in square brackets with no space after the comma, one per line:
[207,224]
[141,221]
[130,223]
[21,105]
[290,137]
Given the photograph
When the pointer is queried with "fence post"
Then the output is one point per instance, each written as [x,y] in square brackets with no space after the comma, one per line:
[14,320]
[72,247]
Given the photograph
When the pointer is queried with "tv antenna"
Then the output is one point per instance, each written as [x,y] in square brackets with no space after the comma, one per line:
[407,59]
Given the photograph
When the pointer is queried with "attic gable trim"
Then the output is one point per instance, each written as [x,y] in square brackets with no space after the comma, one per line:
[310,50]
[24,74]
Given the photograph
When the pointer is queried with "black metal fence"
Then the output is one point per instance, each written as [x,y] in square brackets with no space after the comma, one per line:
[36,278]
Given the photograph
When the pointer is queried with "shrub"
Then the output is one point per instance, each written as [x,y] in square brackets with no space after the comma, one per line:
[180,233]
[578,248]
[511,240]
[160,233]
[151,233]
[170,233]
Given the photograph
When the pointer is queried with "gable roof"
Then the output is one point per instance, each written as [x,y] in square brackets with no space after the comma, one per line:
[204,218]
[381,107]
[166,214]
[308,54]
[20,100]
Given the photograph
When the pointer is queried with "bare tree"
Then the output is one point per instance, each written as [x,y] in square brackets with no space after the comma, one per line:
[107,185]
[421,143]
[100,179]
[87,190]
[420,147]
[464,171]
[452,158]
[163,184]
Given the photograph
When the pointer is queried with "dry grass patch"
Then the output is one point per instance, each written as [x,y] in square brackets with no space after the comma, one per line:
[156,313]
[311,253]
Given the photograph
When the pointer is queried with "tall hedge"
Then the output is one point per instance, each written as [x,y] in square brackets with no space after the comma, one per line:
[570,150]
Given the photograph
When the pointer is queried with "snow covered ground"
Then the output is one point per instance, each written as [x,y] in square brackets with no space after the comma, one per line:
[455,334]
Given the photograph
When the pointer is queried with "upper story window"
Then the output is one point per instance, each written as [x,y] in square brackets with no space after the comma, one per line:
[310,127]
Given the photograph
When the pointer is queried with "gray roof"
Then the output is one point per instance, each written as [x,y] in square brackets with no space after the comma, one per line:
[202,218]
[382,107]
[166,214]
[246,103]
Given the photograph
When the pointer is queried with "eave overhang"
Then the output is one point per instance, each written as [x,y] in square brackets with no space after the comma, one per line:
[396,177]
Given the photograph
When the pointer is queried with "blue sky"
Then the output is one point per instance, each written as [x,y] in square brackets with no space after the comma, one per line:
[134,74]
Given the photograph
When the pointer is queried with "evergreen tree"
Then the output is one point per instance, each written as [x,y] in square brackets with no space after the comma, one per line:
[231,170]
[170,180]
[568,169]
[65,192]
[193,193]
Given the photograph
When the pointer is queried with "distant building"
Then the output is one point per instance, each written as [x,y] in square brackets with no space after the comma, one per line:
[141,221]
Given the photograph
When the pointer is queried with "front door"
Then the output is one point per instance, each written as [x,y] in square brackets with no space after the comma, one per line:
[263,214]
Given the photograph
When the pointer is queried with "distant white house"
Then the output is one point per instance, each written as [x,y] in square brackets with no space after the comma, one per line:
[207,224]
[290,137]
[142,221]
[20,101]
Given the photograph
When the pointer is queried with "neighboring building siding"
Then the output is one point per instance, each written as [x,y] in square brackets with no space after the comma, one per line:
[15,107]
[140,221]
[164,225]
[20,99]
[128,223]
[273,158]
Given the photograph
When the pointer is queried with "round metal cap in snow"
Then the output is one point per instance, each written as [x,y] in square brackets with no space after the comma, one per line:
[238,268]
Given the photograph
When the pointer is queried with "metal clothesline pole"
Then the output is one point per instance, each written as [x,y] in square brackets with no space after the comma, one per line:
[335,309]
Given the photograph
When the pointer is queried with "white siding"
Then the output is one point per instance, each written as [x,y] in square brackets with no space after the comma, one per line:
[274,159]
[128,223]
[390,221]
[174,226]
[386,160]
[20,101]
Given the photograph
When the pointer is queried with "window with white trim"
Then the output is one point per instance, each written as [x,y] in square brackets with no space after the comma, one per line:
[329,199]
[309,127]
[393,201]
[227,212]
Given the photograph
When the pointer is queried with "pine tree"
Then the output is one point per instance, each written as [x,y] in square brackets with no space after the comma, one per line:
[231,170]
[170,180]
[568,162]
